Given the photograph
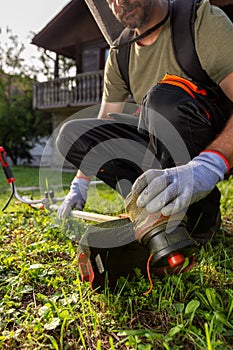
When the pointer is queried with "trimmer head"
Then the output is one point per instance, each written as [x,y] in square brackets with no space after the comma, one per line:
[166,237]
[169,247]
[109,250]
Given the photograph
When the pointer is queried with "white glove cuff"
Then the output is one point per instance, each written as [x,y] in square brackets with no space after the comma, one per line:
[215,162]
[218,153]
[81,183]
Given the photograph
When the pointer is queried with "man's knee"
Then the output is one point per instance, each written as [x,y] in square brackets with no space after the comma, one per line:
[168,107]
[168,102]
[64,137]
[70,132]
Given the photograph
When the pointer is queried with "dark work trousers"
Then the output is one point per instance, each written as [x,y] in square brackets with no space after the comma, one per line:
[173,127]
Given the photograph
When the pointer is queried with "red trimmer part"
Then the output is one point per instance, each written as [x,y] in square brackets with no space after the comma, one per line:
[162,270]
[5,166]
[85,268]
[175,260]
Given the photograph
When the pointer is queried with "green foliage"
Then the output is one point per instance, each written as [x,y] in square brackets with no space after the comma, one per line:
[65,66]
[20,126]
[44,304]
[11,50]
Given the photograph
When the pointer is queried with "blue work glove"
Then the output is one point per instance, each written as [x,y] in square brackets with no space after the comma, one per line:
[173,190]
[76,198]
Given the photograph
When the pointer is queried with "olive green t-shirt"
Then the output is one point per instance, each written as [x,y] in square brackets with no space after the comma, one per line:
[149,64]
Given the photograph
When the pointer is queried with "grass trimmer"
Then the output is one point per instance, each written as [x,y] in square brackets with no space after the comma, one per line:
[119,246]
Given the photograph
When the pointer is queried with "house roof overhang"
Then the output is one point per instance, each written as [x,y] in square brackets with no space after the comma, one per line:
[69,29]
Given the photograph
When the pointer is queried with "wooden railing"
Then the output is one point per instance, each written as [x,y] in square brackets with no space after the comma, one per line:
[82,90]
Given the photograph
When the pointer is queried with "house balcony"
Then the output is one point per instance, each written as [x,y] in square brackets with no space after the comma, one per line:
[84,89]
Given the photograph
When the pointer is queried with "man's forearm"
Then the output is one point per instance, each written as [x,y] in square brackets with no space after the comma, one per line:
[110,107]
[224,142]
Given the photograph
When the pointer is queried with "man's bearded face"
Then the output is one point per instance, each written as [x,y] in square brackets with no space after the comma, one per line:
[132,13]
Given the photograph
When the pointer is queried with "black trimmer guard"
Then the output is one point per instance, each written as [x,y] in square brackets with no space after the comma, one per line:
[108,251]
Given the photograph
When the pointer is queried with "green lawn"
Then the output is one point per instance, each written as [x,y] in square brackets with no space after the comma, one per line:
[44,305]
[30,176]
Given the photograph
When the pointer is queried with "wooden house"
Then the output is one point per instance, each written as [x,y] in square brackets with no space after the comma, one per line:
[72,33]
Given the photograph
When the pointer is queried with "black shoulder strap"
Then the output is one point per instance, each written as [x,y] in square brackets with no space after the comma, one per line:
[123,54]
[183,15]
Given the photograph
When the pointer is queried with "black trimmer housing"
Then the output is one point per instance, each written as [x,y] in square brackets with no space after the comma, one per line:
[108,251]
